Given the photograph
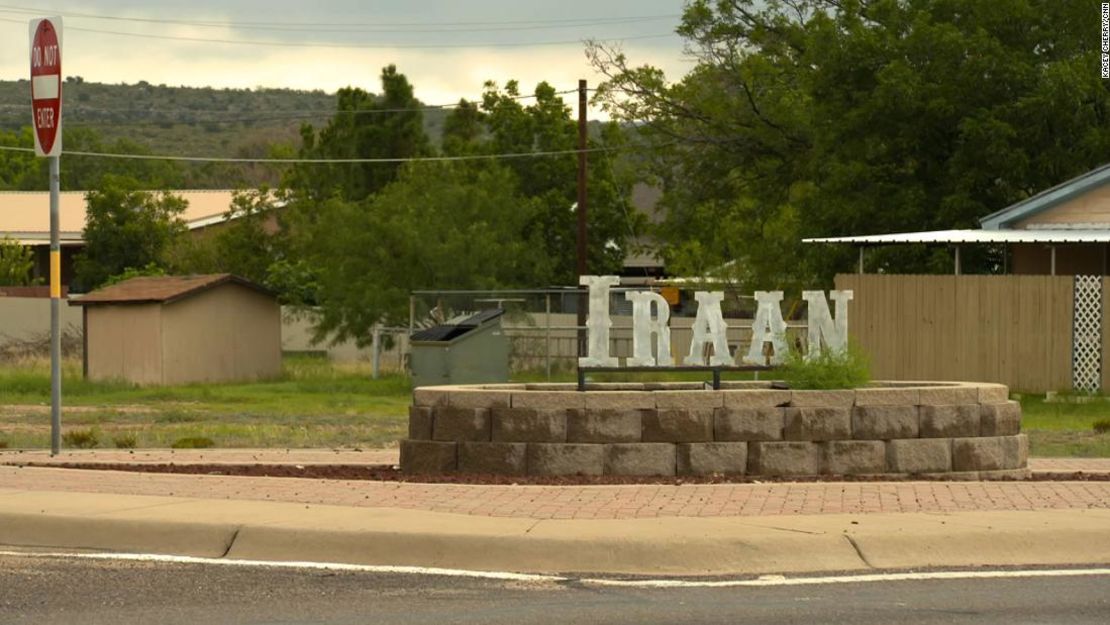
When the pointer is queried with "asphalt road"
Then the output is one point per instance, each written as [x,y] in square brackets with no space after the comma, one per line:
[45,591]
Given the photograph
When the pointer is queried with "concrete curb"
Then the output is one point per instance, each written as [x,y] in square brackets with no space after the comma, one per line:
[121,535]
[672,546]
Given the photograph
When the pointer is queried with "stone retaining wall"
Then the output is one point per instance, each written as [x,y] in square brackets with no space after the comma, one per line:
[951,429]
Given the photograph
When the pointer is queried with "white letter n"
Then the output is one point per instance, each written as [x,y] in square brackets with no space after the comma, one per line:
[822,327]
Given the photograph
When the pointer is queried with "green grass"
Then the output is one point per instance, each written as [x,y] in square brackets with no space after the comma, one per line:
[313,404]
[1065,428]
[318,404]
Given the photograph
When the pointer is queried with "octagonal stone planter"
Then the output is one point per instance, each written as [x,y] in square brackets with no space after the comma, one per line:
[954,430]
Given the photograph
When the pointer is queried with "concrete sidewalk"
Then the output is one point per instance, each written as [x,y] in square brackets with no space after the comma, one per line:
[675,545]
[658,529]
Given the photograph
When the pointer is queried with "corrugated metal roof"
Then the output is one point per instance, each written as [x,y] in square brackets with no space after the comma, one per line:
[975,236]
[163,289]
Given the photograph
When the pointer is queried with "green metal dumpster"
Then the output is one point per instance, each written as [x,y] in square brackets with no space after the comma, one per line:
[470,350]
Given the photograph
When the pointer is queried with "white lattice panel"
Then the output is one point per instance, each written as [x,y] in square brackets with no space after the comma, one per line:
[1086,360]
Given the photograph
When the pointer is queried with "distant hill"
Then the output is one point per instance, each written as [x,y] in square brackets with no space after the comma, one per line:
[187,120]
[196,121]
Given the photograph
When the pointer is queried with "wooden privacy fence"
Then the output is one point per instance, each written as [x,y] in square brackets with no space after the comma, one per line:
[1023,331]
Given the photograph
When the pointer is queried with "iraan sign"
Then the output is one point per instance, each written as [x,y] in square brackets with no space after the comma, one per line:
[651,325]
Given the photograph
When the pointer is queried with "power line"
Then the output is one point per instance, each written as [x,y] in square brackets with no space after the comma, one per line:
[305,113]
[346,46]
[574,21]
[350,28]
[324,161]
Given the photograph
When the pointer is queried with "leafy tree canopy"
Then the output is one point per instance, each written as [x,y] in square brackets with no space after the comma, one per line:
[825,118]
[468,230]
[23,171]
[505,125]
[246,244]
[364,126]
[16,262]
[126,228]
[361,237]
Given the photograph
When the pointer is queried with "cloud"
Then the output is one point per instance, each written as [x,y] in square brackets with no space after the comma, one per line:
[439,75]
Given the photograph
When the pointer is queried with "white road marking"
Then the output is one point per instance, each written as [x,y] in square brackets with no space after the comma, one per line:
[322,566]
[779,580]
[763,581]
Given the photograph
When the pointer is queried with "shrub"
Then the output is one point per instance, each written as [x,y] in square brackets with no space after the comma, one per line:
[3,444]
[193,442]
[125,441]
[81,439]
[16,262]
[150,270]
[827,369]
[1102,426]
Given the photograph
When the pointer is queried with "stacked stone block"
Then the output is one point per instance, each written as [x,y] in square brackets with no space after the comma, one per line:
[958,430]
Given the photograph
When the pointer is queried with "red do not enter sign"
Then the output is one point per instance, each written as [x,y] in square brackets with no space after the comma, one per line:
[46,85]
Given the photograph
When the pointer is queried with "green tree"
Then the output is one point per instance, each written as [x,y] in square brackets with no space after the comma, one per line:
[821,118]
[469,230]
[546,125]
[360,237]
[463,129]
[16,262]
[126,228]
[364,126]
[246,244]
[25,171]
[16,167]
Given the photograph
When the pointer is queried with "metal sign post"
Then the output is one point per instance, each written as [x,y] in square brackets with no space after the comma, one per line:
[55,313]
[46,114]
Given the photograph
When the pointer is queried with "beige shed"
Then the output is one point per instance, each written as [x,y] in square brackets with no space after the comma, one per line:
[182,329]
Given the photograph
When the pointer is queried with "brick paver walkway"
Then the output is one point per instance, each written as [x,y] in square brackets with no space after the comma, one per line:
[586,502]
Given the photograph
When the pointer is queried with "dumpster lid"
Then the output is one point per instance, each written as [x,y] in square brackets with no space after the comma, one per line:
[482,317]
[441,333]
[449,331]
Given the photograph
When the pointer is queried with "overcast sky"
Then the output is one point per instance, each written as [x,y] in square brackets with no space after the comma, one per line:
[477,41]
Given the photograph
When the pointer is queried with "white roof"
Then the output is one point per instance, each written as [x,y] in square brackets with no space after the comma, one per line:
[31,239]
[977,236]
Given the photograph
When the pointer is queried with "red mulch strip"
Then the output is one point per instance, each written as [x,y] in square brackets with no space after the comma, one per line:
[387,473]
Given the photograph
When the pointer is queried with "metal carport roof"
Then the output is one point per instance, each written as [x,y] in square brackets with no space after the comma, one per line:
[1061,235]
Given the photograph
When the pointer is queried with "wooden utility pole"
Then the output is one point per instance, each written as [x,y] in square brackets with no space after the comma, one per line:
[581,212]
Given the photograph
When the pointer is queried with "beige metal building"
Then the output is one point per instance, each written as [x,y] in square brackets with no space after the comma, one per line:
[25,217]
[181,329]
